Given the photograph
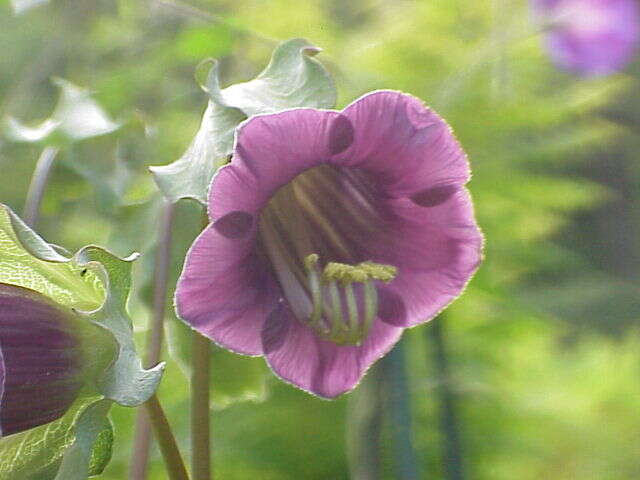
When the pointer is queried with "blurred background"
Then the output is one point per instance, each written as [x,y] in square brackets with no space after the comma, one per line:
[533,373]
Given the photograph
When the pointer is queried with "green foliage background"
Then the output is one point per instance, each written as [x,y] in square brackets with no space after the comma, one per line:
[544,345]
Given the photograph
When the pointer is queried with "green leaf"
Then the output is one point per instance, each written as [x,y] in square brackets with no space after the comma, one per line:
[189,177]
[96,284]
[76,117]
[234,378]
[292,79]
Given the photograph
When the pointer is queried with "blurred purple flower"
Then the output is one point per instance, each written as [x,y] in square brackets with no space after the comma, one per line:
[591,37]
[40,360]
[332,232]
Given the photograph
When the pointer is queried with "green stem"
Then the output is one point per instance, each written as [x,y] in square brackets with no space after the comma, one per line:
[453,464]
[166,440]
[142,438]
[200,423]
[399,408]
[39,180]
[364,424]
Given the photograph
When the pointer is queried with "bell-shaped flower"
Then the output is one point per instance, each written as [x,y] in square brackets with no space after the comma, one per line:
[591,37]
[330,233]
[41,359]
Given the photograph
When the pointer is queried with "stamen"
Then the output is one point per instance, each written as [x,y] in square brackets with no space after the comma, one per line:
[370,308]
[310,265]
[336,282]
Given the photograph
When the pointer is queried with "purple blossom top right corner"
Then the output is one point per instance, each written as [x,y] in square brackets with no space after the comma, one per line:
[590,38]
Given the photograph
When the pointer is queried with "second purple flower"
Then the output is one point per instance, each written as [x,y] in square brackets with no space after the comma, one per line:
[330,233]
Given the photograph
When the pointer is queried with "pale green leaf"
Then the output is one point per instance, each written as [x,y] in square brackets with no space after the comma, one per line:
[292,79]
[76,117]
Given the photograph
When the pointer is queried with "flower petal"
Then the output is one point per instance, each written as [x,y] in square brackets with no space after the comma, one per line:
[41,360]
[273,149]
[436,260]
[226,291]
[591,37]
[321,367]
[407,145]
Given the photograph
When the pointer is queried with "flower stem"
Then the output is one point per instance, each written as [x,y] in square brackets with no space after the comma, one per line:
[39,180]
[166,440]
[142,438]
[453,465]
[364,424]
[200,434]
[399,408]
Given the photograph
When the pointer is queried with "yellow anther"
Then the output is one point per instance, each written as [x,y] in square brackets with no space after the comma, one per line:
[311,261]
[378,271]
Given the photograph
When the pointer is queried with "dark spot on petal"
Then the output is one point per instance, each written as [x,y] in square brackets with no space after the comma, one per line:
[391,308]
[275,329]
[341,135]
[235,224]
[432,197]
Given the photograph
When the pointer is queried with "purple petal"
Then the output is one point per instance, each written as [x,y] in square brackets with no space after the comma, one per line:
[591,37]
[452,251]
[434,196]
[270,151]
[41,360]
[324,368]
[275,329]
[403,143]
[226,291]
[341,134]
[234,225]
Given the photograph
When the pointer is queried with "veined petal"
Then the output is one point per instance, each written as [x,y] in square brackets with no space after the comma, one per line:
[322,367]
[406,145]
[41,360]
[226,290]
[273,149]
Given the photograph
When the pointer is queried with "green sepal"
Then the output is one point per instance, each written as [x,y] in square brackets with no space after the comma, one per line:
[292,79]
[95,284]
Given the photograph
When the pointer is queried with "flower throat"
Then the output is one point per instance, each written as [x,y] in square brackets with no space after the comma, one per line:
[319,216]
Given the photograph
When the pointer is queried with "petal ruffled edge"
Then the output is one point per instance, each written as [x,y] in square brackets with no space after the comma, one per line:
[272,149]
[226,291]
[408,146]
[320,367]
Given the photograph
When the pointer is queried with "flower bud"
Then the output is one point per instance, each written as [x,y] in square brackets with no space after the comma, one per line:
[41,359]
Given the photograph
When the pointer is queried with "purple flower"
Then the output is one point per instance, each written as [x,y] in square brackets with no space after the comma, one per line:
[591,37]
[40,360]
[332,232]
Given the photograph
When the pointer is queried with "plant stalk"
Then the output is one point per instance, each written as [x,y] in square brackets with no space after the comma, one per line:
[39,180]
[200,423]
[399,408]
[364,425]
[142,438]
[166,441]
[453,464]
